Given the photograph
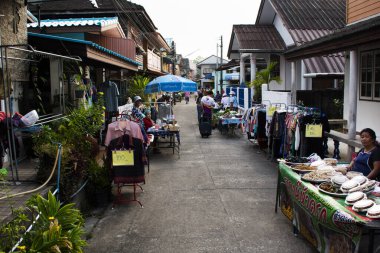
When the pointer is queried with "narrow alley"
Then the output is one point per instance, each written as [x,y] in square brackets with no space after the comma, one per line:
[219,196]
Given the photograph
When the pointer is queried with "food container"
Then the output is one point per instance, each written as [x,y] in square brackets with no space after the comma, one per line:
[331,161]
[30,118]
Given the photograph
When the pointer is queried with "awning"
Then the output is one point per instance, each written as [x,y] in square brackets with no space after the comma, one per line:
[95,52]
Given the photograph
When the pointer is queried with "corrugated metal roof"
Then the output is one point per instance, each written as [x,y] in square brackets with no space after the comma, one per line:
[92,44]
[76,22]
[312,15]
[325,64]
[309,20]
[258,37]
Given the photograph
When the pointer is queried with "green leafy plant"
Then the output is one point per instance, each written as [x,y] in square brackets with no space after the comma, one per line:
[263,76]
[137,86]
[11,231]
[98,176]
[79,147]
[58,229]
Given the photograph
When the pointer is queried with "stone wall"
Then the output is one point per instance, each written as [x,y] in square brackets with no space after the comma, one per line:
[13,30]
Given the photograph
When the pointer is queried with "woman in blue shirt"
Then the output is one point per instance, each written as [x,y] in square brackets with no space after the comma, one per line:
[367,160]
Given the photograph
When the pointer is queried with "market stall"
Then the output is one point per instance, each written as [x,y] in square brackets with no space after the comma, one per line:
[330,218]
[228,121]
[167,137]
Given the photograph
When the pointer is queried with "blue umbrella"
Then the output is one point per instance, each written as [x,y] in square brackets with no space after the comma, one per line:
[170,83]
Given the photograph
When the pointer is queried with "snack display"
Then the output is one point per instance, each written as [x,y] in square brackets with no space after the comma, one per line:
[363,205]
[360,179]
[351,174]
[368,186]
[352,198]
[374,212]
[338,180]
[318,176]
[331,161]
[302,168]
[327,187]
[348,185]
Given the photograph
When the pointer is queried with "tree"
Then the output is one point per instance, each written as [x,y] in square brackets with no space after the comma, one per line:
[137,86]
[263,76]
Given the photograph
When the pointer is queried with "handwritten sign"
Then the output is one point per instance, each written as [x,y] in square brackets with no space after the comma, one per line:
[123,158]
[271,110]
[313,131]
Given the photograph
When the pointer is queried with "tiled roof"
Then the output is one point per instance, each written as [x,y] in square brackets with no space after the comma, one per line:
[258,37]
[92,44]
[76,22]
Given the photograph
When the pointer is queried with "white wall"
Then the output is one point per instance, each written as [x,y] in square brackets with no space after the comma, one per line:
[368,116]
[285,73]
[275,96]
[283,31]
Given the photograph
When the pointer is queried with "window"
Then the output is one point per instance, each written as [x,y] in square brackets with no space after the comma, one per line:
[370,75]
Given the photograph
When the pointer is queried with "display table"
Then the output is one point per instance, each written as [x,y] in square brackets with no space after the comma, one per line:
[166,139]
[228,125]
[325,221]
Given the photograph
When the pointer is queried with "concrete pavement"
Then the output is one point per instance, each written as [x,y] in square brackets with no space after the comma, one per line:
[217,197]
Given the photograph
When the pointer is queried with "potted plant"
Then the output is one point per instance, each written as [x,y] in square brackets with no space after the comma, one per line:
[99,186]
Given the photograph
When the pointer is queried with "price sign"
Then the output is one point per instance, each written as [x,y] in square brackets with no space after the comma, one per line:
[313,131]
[123,158]
[271,110]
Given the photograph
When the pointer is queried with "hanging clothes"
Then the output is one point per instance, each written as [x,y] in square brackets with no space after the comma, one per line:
[111,94]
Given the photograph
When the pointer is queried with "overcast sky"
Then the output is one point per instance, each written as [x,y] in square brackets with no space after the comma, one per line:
[197,25]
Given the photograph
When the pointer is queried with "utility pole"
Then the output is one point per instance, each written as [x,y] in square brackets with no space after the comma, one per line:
[174,59]
[221,63]
[217,65]
[173,67]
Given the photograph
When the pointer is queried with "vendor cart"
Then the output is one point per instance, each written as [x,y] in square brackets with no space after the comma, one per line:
[228,125]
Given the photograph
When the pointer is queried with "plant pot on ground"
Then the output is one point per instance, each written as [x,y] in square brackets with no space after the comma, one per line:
[99,185]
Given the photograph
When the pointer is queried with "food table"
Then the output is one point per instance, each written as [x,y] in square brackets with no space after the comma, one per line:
[325,221]
[228,124]
[166,138]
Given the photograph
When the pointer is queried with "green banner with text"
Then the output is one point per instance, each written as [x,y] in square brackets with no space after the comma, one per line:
[324,222]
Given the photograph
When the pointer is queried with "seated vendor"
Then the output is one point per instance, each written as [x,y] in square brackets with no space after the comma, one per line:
[148,122]
[367,160]
[233,101]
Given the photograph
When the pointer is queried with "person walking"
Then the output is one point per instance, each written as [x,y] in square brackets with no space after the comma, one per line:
[208,103]
[187,97]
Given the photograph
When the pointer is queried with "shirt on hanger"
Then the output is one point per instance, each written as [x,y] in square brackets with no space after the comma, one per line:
[120,128]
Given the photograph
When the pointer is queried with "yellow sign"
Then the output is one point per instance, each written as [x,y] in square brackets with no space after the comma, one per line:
[313,131]
[123,158]
[271,110]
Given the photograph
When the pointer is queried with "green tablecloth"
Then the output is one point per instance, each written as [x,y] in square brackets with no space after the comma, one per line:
[325,221]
